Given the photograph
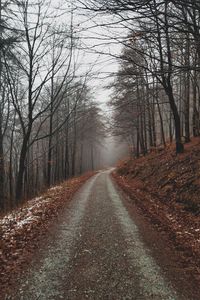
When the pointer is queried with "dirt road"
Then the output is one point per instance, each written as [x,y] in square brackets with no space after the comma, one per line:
[95,252]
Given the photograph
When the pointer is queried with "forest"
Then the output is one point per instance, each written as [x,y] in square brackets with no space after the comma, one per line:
[99,149]
[49,119]
[155,93]
[51,127]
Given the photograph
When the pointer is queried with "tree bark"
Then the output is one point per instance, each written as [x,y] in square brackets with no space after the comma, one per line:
[177,122]
[20,175]
[2,171]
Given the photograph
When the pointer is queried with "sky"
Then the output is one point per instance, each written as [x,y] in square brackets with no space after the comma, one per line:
[97,48]
[97,45]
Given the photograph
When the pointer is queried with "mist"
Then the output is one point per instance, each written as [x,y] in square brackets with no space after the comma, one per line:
[111,152]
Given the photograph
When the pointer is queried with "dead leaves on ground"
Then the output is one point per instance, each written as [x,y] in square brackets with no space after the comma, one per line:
[22,229]
[166,187]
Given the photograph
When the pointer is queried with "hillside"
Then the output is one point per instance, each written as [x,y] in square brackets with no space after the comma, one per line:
[166,188]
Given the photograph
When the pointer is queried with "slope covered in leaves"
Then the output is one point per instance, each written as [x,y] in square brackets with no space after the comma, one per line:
[22,229]
[166,187]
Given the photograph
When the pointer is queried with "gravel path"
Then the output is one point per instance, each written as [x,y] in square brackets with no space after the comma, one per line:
[95,252]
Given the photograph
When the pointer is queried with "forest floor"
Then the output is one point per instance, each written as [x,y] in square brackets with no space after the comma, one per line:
[22,230]
[165,187]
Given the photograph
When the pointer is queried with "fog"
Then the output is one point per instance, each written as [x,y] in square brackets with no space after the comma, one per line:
[111,152]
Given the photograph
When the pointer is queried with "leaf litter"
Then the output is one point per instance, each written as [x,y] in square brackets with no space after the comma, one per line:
[166,189]
[22,229]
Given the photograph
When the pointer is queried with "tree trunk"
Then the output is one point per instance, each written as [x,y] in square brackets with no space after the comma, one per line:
[20,175]
[138,144]
[74,147]
[187,110]
[49,158]
[92,158]
[81,159]
[195,111]
[177,122]
[66,172]
[2,171]
[161,125]
[187,93]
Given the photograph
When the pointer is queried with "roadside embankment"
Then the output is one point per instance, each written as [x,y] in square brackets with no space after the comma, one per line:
[166,188]
[22,230]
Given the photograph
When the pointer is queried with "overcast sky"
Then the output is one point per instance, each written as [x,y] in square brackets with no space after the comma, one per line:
[96,41]
[96,44]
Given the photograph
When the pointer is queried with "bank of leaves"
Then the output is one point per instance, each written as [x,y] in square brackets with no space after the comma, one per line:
[22,229]
[166,188]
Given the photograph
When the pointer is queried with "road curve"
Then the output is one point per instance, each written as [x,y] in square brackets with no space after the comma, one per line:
[95,252]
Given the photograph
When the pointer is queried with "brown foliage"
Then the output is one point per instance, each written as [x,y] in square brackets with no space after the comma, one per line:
[166,187]
[22,230]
